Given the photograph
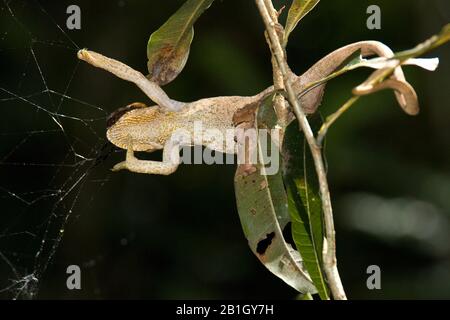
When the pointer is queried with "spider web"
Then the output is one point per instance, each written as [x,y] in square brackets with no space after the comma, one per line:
[50,143]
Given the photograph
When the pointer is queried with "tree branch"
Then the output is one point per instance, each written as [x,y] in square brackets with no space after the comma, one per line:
[279,103]
[329,254]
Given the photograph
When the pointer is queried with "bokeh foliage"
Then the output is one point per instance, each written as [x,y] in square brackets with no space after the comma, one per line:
[145,236]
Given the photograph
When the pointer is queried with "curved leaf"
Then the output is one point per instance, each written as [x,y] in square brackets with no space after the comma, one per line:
[304,201]
[297,11]
[262,205]
[168,47]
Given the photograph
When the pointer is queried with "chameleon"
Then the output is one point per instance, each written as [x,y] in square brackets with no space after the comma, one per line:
[138,127]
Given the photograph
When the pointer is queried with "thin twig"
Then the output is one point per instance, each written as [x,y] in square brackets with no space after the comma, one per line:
[279,102]
[312,85]
[333,117]
[329,254]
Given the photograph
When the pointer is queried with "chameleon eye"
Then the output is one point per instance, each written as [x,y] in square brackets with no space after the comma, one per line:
[116,115]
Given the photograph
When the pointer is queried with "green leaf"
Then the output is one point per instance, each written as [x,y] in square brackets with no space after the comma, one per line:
[444,35]
[168,47]
[304,296]
[352,60]
[262,205]
[435,41]
[297,11]
[304,201]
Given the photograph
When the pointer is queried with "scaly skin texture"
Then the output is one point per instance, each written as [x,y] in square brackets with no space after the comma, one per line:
[142,128]
[149,128]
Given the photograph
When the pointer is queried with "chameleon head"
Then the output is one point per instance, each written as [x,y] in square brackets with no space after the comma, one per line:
[131,126]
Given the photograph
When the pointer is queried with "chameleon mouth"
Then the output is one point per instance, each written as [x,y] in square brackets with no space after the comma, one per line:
[116,115]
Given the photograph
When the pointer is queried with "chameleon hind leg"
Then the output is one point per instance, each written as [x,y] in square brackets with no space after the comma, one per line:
[168,165]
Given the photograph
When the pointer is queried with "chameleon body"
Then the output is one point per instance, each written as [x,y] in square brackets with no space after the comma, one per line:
[141,128]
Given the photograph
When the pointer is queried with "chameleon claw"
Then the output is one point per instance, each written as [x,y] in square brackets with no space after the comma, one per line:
[120,166]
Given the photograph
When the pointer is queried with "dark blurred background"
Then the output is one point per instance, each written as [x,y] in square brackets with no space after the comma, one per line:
[141,236]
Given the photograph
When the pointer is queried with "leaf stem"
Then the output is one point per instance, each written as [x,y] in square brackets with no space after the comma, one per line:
[333,117]
[312,85]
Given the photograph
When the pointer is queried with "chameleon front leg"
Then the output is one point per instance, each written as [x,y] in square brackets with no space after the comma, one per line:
[121,70]
[169,164]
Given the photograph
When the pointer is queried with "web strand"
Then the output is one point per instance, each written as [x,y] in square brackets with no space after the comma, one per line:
[72,136]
